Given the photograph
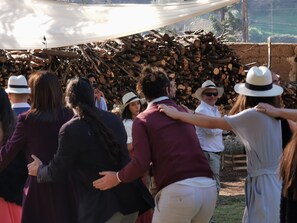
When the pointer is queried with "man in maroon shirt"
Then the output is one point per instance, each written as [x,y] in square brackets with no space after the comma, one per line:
[186,190]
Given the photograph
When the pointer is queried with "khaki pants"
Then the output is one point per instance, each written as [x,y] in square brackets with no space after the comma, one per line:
[214,161]
[178,203]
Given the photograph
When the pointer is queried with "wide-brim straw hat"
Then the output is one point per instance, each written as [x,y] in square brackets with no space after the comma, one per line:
[130,97]
[18,85]
[258,83]
[208,85]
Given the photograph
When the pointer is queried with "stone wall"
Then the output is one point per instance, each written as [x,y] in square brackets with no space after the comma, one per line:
[283,57]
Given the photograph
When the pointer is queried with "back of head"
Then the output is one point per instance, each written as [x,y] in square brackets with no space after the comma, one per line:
[5,104]
[258,83]
[153,83]
[80,96]
[79,92]
[243,102]
[7,117]
[46,92]
[18,85]
[258,87]
[89,75]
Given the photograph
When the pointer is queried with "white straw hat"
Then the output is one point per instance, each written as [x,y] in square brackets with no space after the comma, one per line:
[18,85]
[129,98]
[258,83]
[208,85]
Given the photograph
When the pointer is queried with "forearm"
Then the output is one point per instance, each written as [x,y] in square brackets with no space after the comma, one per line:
[204,121]
[285,113]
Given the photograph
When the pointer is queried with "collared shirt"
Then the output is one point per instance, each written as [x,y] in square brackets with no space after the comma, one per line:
[20,105]
[19,108]
[211,140]
[149,104]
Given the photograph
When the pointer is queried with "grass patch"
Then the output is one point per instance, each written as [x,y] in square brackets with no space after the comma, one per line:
[229,209]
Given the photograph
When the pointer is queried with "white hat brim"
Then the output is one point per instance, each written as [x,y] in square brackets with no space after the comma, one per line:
[18,91]
[274,91]
[142,101]
[198,93]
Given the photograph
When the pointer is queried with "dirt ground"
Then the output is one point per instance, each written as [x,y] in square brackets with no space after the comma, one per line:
[232,182]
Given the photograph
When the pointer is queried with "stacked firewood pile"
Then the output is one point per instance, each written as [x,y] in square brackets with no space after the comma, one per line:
[190,59]
[289,96]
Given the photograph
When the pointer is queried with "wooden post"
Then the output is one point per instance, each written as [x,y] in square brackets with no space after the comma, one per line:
[245,25]
[269,52]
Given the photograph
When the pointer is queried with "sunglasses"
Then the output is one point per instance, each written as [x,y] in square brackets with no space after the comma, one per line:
[209,94]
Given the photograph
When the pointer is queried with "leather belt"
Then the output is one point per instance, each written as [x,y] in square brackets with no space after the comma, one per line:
[218,153]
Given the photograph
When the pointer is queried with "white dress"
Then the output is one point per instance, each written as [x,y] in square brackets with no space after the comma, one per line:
[261,136]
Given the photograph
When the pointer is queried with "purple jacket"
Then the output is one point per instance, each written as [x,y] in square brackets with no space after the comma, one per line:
[49,202]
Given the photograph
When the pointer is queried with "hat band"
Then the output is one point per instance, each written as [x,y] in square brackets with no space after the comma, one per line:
[131,99]
[258,88]
[211,85]
[17,86]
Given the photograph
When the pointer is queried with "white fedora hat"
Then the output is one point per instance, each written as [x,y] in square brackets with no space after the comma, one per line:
[258,83]
[18,85]
[129,98]
[208,85]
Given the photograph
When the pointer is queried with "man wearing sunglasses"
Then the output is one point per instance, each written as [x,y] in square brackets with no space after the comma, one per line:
[211,140]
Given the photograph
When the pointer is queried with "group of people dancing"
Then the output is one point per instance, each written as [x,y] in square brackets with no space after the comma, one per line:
[83,164]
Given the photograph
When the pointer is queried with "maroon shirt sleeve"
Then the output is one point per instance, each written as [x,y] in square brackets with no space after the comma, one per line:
[142,153]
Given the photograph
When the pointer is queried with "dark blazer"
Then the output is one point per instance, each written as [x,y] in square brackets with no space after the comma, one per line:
[85,155]
[46,203]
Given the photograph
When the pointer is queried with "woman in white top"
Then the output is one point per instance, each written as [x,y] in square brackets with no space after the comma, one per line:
[261,136]
[130,109]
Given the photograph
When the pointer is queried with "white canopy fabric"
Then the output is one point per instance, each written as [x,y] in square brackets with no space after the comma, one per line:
[25,23]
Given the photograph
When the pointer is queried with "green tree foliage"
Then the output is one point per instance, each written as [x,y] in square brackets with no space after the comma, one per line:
[230,26]
[257,36]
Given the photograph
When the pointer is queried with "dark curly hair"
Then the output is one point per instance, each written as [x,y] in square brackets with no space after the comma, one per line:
[80,96]
[153,83]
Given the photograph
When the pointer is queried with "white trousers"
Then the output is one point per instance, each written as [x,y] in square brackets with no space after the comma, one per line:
[179,203]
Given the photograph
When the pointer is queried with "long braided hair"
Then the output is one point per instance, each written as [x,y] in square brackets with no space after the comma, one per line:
[80,96]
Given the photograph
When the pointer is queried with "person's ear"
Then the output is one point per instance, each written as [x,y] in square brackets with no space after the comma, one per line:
[167,90]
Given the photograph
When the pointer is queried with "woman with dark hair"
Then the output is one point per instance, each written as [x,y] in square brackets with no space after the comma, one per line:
[130,109]
[92,141]
[12,179]
[288,166]
[261,136]
[36,132]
